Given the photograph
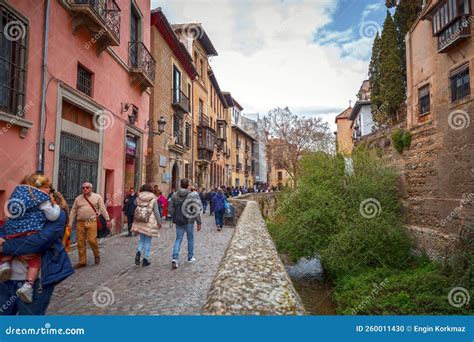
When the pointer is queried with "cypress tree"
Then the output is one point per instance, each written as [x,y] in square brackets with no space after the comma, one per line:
[392,84]
[374,74]
[407,11]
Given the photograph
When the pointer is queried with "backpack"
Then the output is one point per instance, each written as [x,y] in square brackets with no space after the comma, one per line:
[178,216]
[143,212]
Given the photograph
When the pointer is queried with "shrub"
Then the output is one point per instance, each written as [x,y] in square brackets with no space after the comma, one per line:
[401,139]
[324,216]
[419,290]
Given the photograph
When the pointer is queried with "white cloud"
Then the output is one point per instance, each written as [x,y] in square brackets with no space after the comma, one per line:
[267,56]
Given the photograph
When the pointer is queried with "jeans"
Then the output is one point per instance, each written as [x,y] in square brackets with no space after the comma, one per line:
[129,222]
[10,304]
[144,243]
[204,206]
[180,230]
[219,216]
[211,208]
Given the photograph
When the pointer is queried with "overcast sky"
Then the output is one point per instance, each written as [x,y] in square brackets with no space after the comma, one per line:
[309,55]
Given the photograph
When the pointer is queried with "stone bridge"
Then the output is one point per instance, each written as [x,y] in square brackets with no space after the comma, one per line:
[237,272]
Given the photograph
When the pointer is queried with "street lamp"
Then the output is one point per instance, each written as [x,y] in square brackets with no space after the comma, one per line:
[161,126]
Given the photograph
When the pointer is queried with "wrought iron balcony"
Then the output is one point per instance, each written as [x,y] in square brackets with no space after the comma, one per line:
[101,18]
[238,166]
[141,64]
[203,119]
[206,141]
[455,33]
[180,101]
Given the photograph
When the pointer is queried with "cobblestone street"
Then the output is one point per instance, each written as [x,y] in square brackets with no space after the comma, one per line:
[118,287]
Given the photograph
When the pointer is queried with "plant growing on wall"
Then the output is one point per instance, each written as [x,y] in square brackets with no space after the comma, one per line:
[401,139]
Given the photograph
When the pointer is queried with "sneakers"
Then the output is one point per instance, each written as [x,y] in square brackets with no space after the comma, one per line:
[145,262]
[26,293]
[191,260]
[174,263]
[5,272]
[137,258]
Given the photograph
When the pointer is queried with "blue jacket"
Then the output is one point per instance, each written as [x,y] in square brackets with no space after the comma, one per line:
[218,202]
[55,263]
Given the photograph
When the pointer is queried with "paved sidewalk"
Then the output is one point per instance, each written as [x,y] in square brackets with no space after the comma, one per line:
[118,287]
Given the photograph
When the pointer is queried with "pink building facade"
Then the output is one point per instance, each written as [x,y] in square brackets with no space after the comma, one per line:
[83,117]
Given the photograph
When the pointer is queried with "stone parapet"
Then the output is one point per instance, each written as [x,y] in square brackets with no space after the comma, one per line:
[252,279]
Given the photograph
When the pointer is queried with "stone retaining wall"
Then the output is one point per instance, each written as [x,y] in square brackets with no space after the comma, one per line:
[252,279]
[436,183]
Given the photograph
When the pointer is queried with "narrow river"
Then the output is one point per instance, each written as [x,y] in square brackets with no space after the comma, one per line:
[308,279]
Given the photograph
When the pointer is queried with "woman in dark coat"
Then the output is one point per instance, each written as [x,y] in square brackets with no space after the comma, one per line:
[55,267]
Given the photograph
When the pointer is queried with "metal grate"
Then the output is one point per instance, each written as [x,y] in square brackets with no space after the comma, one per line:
[78,162]
[84,80]
[13,59]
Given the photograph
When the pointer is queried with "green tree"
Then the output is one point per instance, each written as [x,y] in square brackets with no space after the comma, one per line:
[374,74]
[392,84]
[406,12]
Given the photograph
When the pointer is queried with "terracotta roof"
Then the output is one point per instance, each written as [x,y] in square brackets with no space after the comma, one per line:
[196,31]
[345,114]
[161,23]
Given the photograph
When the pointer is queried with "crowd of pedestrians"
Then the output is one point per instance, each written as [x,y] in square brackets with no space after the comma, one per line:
[35,239]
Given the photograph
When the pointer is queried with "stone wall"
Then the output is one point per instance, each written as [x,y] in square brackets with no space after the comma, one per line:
[252,279]
[436,183]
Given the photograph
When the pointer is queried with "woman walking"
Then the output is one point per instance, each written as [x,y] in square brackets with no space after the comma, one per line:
[219,208]
[147,221]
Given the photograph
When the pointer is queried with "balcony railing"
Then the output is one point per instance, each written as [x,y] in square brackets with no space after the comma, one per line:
[206,141]
[180,100]
[238,166]
[454,34]
[203,119]
[142,64]
[101,17]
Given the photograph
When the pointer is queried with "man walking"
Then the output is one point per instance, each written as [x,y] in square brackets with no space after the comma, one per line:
[185,208]
[211,195]
[86,209]
[129,209]
[203,196]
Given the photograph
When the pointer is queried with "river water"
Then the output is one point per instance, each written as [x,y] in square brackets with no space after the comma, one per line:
[307,276]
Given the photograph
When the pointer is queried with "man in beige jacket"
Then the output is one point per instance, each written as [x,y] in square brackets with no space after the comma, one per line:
[87,223]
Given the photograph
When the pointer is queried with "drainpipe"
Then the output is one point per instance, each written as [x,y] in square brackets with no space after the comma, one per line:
[40,166]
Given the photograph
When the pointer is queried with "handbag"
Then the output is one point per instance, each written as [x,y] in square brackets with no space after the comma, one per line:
[102,229]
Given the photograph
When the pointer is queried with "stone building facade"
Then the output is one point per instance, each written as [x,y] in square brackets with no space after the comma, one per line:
[437,170]
[170,153]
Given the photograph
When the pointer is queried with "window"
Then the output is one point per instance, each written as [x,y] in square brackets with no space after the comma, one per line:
[187,138]
[176,84]
[460,84]
[178,130]
[13,58]
[424,99]
[84,80]
[186,171]
[280,175]
[201,68]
